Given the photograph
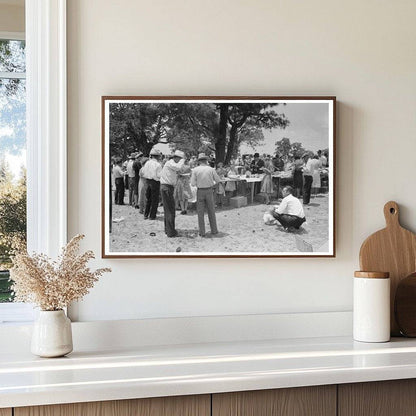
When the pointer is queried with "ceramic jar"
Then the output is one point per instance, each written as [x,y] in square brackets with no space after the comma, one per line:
[371,307]
[52,334]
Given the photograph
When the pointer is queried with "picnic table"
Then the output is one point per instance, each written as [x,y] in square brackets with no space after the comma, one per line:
[285,177]
[279,178]
[250,180]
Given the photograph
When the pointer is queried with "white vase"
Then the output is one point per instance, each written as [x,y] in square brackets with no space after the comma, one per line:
[52,334]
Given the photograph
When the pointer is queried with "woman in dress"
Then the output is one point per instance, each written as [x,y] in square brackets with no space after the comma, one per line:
[231,186]
[183,192]
[267,181]
[220,189]
[316,174]
[142,187]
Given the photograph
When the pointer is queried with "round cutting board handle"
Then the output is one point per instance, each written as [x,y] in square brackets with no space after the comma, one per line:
[391,213]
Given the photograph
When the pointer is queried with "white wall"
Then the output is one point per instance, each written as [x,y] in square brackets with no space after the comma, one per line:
[12,18]
[361,51]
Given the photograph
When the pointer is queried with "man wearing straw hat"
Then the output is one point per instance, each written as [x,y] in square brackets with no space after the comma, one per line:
[168,180]
[151,171]
[205,178]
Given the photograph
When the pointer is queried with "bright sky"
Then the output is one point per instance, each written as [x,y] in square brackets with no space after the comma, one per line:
[16,162]
[308,125]
[5,131]
[11,142]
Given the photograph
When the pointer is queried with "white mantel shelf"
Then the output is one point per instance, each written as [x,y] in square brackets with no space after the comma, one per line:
[151,371]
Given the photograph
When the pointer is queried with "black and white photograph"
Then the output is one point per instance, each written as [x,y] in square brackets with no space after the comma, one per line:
[218,176]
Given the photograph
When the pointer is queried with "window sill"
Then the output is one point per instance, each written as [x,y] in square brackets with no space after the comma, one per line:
[16,313]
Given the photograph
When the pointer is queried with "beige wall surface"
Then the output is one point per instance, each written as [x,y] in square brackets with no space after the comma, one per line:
[360,51]
[12,18]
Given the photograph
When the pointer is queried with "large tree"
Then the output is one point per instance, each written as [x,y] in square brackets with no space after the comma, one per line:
[192,128]
[226,126]
[285,148]
[137,127]
[251,118]
[297,149]
[208,127]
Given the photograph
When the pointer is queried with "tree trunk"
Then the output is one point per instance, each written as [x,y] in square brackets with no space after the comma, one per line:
[232,143]
[143,136]
[147,147]
[134,137]
[125,153]
[222,134]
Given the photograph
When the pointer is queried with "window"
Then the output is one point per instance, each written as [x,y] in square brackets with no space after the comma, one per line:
[12,153]
[45,85]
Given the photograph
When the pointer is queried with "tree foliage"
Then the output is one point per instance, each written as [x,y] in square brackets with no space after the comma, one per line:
[12,56]
[136,127]
[218,128]
[251,118]
[12,213]
[297,149]
[192,128]
[285,148]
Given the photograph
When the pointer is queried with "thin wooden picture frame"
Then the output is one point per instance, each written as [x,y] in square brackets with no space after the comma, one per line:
[312,121]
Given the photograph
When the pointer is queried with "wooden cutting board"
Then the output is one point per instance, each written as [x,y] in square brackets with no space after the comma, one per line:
[393,250]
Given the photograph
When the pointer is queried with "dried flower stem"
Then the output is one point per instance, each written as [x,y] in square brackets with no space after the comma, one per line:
[53,285]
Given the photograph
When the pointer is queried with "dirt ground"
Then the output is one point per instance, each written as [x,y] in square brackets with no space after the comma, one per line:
[240,230]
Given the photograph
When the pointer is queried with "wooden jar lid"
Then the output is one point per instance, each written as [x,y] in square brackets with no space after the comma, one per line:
[372,275]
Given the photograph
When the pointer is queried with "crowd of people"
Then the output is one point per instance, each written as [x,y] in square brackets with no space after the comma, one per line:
[171,181]
[175,181]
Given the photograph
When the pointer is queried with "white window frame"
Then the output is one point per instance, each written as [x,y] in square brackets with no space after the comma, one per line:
[46,127]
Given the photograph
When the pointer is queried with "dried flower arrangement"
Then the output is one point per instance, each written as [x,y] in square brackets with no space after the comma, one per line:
[53,285]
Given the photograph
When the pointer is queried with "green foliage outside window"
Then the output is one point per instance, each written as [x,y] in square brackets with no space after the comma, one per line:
[12,223]
[12,145]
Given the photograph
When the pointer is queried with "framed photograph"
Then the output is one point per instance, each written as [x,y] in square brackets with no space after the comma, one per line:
[218,176]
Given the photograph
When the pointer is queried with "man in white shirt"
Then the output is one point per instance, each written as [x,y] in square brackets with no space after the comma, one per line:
[131,175]
[152,171]
[118,175]
[168,180]
[205,178]
[290,211]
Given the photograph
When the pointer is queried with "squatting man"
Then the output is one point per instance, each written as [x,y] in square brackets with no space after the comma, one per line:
[289,213]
